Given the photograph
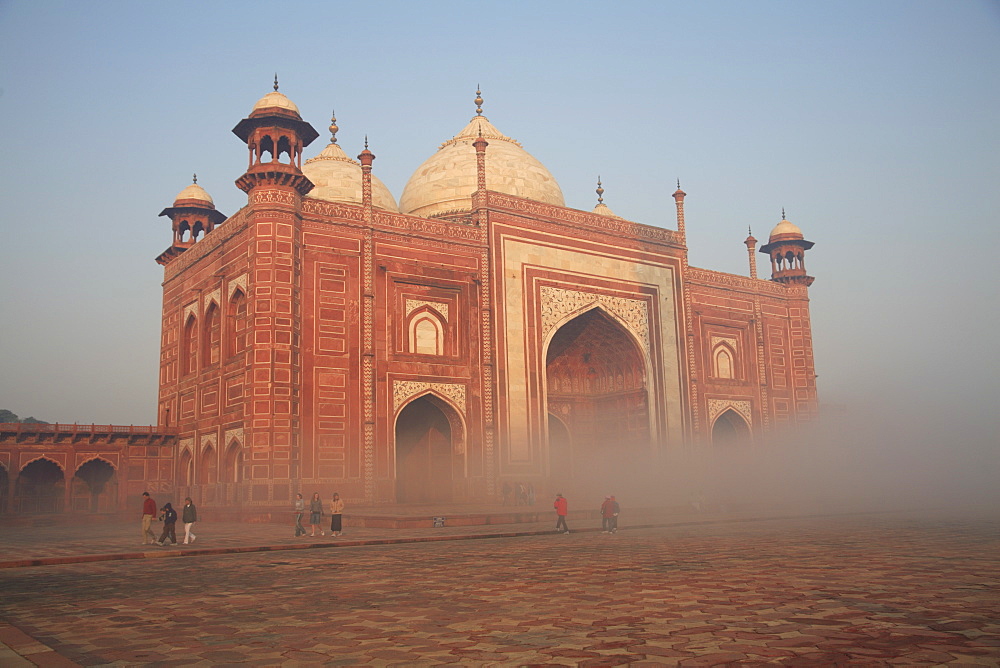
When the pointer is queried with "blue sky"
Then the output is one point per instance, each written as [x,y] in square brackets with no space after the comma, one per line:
[874,124]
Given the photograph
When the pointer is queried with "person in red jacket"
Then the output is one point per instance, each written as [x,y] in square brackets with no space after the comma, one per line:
[562,507]
[148,513]
[607,514]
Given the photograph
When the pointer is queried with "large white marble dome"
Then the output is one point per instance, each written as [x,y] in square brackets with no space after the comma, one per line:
[444,184]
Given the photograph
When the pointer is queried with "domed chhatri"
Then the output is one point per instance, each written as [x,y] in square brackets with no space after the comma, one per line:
[337,178]
[786,246]
[444,183]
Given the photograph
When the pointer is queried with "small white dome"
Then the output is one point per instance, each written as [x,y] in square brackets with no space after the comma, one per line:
[786,230]
[603,209]
[194,191]
[275,99]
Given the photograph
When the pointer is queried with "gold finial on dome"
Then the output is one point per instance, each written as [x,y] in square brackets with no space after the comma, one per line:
[782,213]
[599,191]
[195,179]
[275,82]
[479,101]
[333,127]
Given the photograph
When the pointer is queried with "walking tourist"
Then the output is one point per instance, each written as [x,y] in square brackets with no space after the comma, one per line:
[607,512]
[562,507]
[315,514]
[169,517]
[148,513]
[336,513]
[189,516]
[300,509]
[615,509]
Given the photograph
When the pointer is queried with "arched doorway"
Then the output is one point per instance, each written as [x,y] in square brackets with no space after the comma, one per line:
[4,488]
[730,429]
[596,382]
[425,460]
[208,474]
[40,488]
[232,473]
[185,469]
[95,487]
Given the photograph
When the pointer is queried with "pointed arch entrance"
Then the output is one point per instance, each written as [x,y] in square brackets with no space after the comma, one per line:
[429,459]
[95,487]
[730,429]
[596,382]
[4,488]
[40,488]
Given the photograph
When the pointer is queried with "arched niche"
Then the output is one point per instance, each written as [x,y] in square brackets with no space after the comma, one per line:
[429,448]
[730,429]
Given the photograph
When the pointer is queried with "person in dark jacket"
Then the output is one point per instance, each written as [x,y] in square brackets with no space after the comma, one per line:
[169,517]
[189,515]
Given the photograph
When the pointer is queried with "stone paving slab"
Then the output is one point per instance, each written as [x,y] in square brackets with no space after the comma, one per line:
[862,590]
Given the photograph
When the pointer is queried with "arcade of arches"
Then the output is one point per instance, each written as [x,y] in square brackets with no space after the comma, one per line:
[41,487]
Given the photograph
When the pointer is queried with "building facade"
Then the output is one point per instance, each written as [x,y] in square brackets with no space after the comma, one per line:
[477,332]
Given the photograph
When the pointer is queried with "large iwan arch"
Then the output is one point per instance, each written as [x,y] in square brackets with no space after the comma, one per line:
[597,382]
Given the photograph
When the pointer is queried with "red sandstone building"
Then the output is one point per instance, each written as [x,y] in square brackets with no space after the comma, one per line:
[478,332]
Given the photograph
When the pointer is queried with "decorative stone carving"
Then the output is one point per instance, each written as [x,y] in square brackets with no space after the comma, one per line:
[186,444]
[556,303]
[717,407]
[208,298]
[234,435]
[404,390]
[238,282]
[208,439]
[188,310]
[728,340]
[413,304]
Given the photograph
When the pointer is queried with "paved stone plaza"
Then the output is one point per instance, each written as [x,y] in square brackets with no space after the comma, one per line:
[885,589]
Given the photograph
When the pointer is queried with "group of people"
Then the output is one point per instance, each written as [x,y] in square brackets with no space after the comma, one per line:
[609,514]
[316,515]
[518,494]
[189,515]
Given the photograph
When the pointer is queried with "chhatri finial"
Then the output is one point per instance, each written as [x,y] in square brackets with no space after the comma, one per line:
[479,101]
[678,184]
[333,127]
[366,142]
[782,213]
[599,191]
[195,177]
[749,233]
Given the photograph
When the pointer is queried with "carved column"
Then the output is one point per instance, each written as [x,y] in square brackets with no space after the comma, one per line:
[368,327]
[486,321]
